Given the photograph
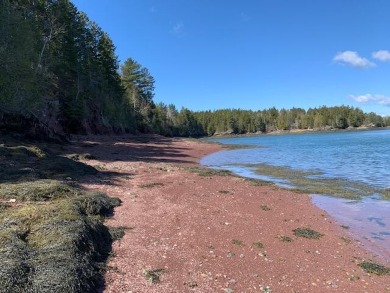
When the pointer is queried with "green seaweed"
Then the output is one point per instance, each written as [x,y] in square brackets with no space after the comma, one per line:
[374,268]
[307,233]
[312,182]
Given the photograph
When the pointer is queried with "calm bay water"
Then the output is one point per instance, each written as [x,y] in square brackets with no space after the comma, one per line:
[361,157]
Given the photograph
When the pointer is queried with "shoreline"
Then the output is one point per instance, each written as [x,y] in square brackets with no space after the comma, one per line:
[201,232]
[298,131]
[361,228]
[366,222]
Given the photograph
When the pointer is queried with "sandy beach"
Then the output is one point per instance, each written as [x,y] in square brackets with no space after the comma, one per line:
[187,231]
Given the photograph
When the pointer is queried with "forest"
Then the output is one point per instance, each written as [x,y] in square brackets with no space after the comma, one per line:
[60,75]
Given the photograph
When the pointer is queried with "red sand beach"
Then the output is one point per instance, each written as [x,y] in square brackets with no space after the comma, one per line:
[190,233]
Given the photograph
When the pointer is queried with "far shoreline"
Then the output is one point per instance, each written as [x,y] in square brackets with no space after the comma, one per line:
[295,131]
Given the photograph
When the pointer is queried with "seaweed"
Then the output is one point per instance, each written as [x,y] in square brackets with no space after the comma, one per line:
[56,247]
[307,233]
[52,233]
[374,268]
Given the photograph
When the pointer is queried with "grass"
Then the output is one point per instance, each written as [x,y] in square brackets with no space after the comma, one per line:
[307,233]
[374,268]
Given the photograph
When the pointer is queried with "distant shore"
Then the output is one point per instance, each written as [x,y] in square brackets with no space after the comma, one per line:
[302,131]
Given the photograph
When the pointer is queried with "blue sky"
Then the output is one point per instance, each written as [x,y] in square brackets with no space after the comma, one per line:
[255,54]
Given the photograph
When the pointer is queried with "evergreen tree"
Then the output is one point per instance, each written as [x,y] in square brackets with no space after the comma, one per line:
[139,90]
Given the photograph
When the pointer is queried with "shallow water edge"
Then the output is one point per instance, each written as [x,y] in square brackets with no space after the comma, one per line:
[367,219]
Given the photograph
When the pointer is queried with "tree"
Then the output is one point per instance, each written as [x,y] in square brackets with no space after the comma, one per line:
[188,125]
[282,120]
[139,90]
[20,91]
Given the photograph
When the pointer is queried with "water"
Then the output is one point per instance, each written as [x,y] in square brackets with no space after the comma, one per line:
[361,158]
[368,219]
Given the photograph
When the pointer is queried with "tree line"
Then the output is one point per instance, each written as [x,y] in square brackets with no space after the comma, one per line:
[59,70]
[59,74]
[236,121]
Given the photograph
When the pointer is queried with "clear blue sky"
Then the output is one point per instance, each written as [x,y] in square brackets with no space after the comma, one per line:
[255,54]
